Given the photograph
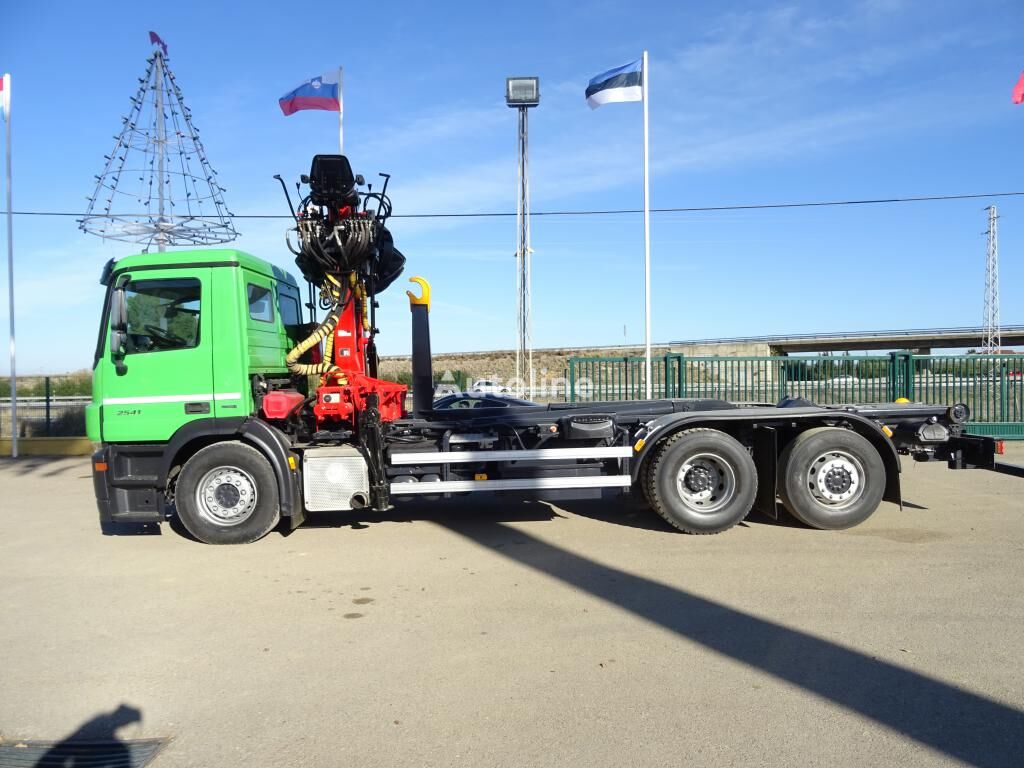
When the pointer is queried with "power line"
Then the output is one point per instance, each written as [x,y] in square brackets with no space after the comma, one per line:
[606,212]
[713,208]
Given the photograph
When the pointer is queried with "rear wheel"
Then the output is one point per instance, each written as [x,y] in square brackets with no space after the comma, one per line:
[831,478]
[701,481]
[227,494]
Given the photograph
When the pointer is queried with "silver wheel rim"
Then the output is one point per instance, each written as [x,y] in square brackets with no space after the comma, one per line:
[226,496]
[706,483]
[836,479]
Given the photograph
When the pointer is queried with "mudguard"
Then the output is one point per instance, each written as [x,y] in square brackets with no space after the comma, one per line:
[268,440]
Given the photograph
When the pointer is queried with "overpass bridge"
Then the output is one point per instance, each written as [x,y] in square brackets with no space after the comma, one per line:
[921,339]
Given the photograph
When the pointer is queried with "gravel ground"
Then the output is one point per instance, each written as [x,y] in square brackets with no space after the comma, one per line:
[498,633]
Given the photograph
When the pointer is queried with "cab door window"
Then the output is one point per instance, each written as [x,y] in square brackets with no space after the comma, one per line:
[288,306]
[261,305]
[162,315]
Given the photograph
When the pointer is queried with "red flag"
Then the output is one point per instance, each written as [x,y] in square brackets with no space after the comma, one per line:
[1018,90]
[154,38]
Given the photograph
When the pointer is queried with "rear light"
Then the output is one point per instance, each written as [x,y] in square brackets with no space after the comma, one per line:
[101,466]
[1000,447]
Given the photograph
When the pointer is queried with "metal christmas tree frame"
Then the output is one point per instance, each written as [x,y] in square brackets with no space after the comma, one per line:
[158,185]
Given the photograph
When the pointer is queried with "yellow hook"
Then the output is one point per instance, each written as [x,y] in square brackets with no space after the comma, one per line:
[424,298]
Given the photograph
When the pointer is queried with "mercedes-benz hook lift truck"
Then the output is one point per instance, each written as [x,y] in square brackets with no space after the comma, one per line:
[213,400]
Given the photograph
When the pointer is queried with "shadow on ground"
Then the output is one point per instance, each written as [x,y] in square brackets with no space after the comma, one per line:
[46,466]
[944,717]
[94,744]
[449,512]
[485,510]
[624,511]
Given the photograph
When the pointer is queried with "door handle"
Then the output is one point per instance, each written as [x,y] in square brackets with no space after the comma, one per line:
[197,408]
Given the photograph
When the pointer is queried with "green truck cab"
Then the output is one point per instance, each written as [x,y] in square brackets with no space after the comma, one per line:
[184,342]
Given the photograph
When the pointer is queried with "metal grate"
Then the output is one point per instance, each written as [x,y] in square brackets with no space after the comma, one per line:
[331,476]
[135,753]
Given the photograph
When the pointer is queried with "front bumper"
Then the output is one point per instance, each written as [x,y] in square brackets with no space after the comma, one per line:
[126,487]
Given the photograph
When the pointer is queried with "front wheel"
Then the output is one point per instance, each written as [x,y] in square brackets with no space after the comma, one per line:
[831,478]
[227,494]
[701,481]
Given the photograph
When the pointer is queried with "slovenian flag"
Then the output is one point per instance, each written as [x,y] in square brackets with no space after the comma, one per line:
[623,83]
[322,92]
[5,96]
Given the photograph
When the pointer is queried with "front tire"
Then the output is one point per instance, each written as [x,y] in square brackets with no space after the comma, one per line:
[831,478]
[227,494]
[701,481]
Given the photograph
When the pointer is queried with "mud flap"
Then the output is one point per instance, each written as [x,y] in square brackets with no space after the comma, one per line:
[766,455]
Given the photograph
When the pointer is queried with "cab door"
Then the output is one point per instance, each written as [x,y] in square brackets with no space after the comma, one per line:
[161,377]
[266,351]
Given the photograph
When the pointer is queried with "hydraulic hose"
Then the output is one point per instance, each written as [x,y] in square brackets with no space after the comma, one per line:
[325,330]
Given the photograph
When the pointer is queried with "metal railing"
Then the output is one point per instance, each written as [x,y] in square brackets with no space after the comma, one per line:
[48,406]
[992,386]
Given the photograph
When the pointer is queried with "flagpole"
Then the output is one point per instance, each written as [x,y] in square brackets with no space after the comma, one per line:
[10,269]
[341,111]
[647,238]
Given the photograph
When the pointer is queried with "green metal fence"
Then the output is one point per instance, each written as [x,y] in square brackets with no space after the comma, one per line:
[48,406]
[991,385]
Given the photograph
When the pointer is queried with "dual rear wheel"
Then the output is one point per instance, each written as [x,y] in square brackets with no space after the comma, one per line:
[704,481]
[831,478]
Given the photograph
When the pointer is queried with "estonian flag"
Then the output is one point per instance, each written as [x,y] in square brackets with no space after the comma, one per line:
[620,84]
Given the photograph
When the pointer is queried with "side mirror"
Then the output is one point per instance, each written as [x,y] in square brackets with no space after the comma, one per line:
[119,326]
[360,180]
[119,307]
[118,350]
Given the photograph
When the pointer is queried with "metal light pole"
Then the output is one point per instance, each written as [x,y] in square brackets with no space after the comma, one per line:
[522,93]
[161,151]
[6,109]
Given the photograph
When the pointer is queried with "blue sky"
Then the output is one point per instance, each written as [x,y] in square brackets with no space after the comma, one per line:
[749,103]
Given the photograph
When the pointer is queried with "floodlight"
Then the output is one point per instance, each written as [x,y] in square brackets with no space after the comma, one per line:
[522,91]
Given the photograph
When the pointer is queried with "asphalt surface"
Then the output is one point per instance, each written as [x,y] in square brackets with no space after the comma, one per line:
[520,634]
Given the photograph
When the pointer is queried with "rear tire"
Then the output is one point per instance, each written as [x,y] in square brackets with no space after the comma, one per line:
[831,478]
[227,494]
[701,481]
